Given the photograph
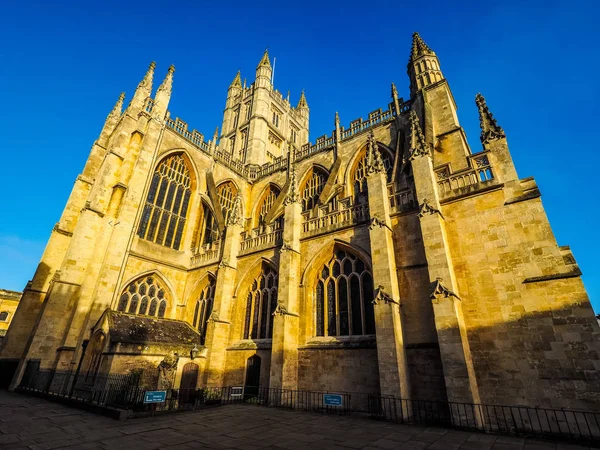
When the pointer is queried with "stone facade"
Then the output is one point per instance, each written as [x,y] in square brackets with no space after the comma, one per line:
[387,258]
[9,300]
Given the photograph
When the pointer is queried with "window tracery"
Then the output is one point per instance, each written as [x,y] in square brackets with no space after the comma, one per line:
[210,233]
[359,176]
[260,306]
[204,306]
[267,202]
[312,188]
[344,296]
[226,192]
[145,296]
[167,203]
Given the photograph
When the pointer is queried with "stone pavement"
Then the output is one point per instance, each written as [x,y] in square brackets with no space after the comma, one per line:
[33,423]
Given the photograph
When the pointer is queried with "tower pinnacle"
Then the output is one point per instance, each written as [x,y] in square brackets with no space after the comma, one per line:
[302,102]
[423,66]
[419,47]
[265,60]
[167,83]
[144,89]
[490,130]
[237,81]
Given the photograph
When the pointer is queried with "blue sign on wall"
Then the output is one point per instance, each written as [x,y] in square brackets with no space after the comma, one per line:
[155,396]
[332,399]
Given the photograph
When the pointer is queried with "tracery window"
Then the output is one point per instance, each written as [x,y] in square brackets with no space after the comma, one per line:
[3,316]
[260,306]
[167,203]
[266,203]
[210,233]
[145,296]
[344,297]
[359,177]
[226,193]
[312,188]
[203,309]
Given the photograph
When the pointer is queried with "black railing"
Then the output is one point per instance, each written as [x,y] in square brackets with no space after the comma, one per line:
[127,391]
[517,420]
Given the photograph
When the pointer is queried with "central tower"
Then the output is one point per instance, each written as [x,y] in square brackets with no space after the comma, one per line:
[258,123]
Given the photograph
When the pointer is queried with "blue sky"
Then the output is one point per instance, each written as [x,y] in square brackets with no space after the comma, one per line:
[63,65]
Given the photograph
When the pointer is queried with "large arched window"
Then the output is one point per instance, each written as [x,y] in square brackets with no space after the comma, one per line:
[344,297]
[226,193]
[359,174]
[312,188]
[260,306]
[166,207]
[266,203]
[203,309]
[145,296]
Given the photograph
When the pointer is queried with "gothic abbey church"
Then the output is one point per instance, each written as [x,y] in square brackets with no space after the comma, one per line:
[387,258]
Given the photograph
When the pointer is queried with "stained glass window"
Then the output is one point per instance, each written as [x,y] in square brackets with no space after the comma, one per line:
[144,296]
[260,306]
[266,203]
[344,296]
[203,309]
[312,188]
[165,211]
[359,176]
[226,193]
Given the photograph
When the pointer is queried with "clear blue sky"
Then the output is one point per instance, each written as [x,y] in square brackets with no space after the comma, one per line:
[63,65]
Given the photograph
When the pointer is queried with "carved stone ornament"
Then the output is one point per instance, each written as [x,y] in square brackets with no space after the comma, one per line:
[285,247]
[56,276]
[224,263]
[166,371]
[374,162]
[292,196]
[426,208]
[381,296]
[439,290]
[237,216]
[418,144]
[377,222]
[490,130]
[214,316]
[281,310]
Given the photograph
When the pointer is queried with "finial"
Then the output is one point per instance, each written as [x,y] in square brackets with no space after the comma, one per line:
[167,83]
[265,59]
[237,81]
[118,108]
[419,47]
[374,163]
[216,135]
[490,130]
[418,144]
[302,102]
[146,82]
[337,120]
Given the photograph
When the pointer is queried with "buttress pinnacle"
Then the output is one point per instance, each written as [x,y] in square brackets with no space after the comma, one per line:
[490,130]
[167,83]
[302,102]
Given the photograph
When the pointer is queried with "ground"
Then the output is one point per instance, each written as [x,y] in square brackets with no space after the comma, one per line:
[33,423]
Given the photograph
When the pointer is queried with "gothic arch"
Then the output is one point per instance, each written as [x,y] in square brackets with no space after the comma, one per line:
[256,209]
[252,273]
[173,298]
[356,159]
[197,287]
[195,176]
[317,175]
[227,204]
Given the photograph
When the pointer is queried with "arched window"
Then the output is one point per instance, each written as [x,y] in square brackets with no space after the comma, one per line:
[344,297]
[260,306]
[144,296]
[226,193]
[312,188]
[359,175]
[3,316]
[166,207]
[203,309]
[266,203]
[210,230]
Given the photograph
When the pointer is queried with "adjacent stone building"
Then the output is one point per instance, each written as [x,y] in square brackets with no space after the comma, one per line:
[9,300]
[388,257]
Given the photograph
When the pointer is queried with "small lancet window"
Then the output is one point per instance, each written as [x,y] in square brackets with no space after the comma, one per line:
[203,309]
[312,188]
[165,211]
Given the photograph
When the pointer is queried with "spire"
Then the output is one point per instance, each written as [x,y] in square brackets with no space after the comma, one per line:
[265,60]
[374,162]
[418,145]
[118,108]
[144,89]
[302,102]
[490,130]
[167,83]
[237,81]
[419,47]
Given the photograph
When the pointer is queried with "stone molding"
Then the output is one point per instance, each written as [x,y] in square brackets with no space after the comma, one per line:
[377,222]
[439,290]
[382,296]
[426,208]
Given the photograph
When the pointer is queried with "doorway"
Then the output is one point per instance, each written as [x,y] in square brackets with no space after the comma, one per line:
[252,377]
[187,388]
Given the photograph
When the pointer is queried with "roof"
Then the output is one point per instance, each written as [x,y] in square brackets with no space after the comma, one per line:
[133,329]
[5,294]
